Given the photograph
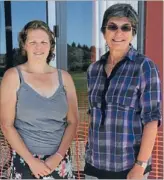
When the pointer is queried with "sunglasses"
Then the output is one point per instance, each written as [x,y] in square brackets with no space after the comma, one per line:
[114,27]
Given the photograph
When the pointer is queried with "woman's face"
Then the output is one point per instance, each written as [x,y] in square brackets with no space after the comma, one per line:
[37,45]
[118,34]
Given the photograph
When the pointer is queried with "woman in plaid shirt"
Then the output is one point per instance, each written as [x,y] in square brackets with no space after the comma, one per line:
[124,97]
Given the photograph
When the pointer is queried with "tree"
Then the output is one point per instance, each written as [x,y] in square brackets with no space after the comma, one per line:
[73,44]
[85,47]
[79,46]
[79,57]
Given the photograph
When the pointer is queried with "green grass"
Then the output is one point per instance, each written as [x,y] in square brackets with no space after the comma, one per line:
[80,80]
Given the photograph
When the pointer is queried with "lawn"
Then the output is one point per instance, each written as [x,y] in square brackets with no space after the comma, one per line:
[80,80]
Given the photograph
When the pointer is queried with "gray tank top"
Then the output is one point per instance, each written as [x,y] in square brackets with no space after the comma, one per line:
[41,121]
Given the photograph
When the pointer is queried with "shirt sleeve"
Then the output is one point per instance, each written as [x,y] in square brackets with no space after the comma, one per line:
[88,88]
[150,99]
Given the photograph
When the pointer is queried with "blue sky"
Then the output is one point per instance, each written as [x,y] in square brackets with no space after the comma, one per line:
[79,20]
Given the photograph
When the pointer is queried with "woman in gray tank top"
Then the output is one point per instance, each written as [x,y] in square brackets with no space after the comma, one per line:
[38,106]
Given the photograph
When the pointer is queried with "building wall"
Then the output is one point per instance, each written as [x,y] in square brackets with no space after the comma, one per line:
[154,50]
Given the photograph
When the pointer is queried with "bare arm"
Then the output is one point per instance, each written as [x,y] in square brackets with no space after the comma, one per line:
[72,115]
[148,141]
[72,120]
[147,144]
[150,115]
[8,90]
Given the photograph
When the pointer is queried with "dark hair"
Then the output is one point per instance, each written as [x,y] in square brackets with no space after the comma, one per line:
[33,25]
[121,10]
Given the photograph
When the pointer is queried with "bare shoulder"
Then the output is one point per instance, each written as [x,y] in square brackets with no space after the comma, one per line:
[67,79]
[65,74]
[10,78]
[10,74]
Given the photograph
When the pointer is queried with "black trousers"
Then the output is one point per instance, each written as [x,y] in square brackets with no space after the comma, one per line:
[103,174]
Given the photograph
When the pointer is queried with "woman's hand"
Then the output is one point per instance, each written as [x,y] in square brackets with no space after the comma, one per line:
[53,161]
[39,168]
[137,172]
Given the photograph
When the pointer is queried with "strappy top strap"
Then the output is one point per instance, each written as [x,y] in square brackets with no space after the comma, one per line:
[20,74]
[60,77]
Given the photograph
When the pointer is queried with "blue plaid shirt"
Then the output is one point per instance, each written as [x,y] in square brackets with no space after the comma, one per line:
[120,105]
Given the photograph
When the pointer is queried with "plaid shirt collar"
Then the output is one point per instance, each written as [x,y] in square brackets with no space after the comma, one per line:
[131,55]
